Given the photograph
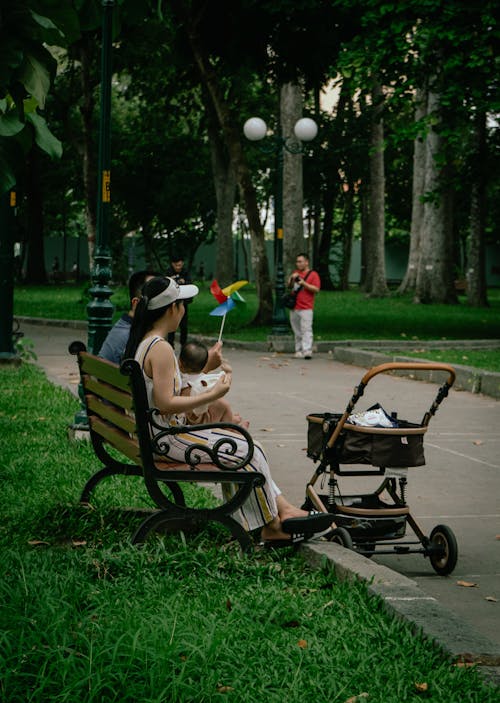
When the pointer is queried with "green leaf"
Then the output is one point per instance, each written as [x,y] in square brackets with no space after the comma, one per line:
[44,22]
[35,77]
[10,124]
[7,177]
[44,137]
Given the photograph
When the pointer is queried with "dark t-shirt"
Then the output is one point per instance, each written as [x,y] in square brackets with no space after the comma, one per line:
[182,278]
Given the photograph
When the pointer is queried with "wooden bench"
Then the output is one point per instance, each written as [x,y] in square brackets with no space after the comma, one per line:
[119,417]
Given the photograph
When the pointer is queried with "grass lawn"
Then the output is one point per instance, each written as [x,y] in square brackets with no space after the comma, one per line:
[338,315]
[479,358]
[88,617]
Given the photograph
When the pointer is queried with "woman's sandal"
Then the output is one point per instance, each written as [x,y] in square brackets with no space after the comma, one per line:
[307,525]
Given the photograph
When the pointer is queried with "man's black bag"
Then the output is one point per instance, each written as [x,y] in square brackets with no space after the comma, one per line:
[288,300]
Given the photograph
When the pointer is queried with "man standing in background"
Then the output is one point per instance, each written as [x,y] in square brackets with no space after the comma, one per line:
[306,283]
[182,277]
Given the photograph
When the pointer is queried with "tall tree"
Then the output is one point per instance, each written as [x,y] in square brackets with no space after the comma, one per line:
[418,184]
[375,282]
[293,197]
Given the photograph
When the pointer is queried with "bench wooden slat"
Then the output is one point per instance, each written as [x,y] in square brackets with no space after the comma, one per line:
[110,413]
[117,397]
[118,439]
[104,370]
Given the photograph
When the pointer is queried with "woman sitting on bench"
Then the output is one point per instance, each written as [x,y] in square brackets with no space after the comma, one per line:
[159,312]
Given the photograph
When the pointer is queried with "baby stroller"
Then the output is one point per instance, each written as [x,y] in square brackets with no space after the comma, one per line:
[376,522]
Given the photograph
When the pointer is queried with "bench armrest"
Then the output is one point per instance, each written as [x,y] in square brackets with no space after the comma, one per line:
[223,453]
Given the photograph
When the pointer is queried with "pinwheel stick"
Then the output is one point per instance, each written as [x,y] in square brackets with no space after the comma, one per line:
[222,327]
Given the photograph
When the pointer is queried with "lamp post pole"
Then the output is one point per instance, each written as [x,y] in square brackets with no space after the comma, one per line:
[255,129]
[100,308]
[280,320]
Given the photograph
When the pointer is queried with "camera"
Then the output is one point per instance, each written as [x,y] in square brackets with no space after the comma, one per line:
[297,279]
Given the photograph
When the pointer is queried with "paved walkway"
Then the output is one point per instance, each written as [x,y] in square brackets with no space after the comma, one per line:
[459,486]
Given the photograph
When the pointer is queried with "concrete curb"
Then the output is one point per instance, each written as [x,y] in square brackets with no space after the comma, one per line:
[401,597]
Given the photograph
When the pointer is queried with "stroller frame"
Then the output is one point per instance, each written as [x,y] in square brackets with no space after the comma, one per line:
[363,522]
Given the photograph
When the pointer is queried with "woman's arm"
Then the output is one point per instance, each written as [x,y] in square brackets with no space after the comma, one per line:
[160,366]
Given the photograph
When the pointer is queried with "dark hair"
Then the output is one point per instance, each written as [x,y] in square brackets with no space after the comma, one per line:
[306,256]
[144,319]
[175,258]
[193,356]
[136,282]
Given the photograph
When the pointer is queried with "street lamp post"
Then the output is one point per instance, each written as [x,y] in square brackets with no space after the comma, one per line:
[255,129]
[100,308]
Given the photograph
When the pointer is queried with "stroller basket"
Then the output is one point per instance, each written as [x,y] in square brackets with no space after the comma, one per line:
[388,447]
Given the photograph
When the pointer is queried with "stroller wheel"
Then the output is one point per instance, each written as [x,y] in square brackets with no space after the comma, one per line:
[444,550]
[340,536]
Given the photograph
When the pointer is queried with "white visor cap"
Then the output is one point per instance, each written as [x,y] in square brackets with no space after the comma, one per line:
[172,293]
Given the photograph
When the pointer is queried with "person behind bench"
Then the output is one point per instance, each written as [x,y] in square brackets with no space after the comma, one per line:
[113,348]
[159,312]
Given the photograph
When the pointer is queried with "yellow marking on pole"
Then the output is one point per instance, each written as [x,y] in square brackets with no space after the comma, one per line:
[106,186]
[279,233]
[13,198]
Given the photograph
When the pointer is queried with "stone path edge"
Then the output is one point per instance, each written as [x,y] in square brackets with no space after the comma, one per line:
[402,598]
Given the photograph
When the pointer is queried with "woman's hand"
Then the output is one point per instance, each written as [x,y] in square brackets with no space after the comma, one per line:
[221,387]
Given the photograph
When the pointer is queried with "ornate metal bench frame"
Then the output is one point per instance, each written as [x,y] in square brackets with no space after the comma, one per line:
[119,416]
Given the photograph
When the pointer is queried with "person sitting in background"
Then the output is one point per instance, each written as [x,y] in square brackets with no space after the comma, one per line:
[192,362]
[113,348]
[114,345]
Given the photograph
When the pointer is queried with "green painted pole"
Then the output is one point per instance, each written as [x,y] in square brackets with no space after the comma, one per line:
[7,205]
[100,308]
[280,319]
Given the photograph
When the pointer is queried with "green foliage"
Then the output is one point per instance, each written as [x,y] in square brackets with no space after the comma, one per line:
[88,617]
[27,69]
[25,349]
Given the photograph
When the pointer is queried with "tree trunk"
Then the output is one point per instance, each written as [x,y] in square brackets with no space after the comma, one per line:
[365,231]
[346,237]
[376,284]
[35,266]
[325,242]
[231,133]
[293,196]
[434,274]
[224,176]
[90,184]
[409,281]
[476,274]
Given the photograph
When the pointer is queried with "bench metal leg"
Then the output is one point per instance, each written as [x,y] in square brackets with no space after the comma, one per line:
[161,520]
[101,475]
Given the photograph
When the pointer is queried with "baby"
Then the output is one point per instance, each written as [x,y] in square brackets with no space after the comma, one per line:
[192,360]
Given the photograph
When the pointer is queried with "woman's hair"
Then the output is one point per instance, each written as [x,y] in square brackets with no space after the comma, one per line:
[144,319]
[193,357]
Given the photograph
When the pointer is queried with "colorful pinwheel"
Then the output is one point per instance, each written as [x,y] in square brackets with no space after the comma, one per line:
[228,297]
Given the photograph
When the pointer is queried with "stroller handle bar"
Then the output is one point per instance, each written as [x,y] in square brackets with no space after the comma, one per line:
[398,366]
[410,366]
